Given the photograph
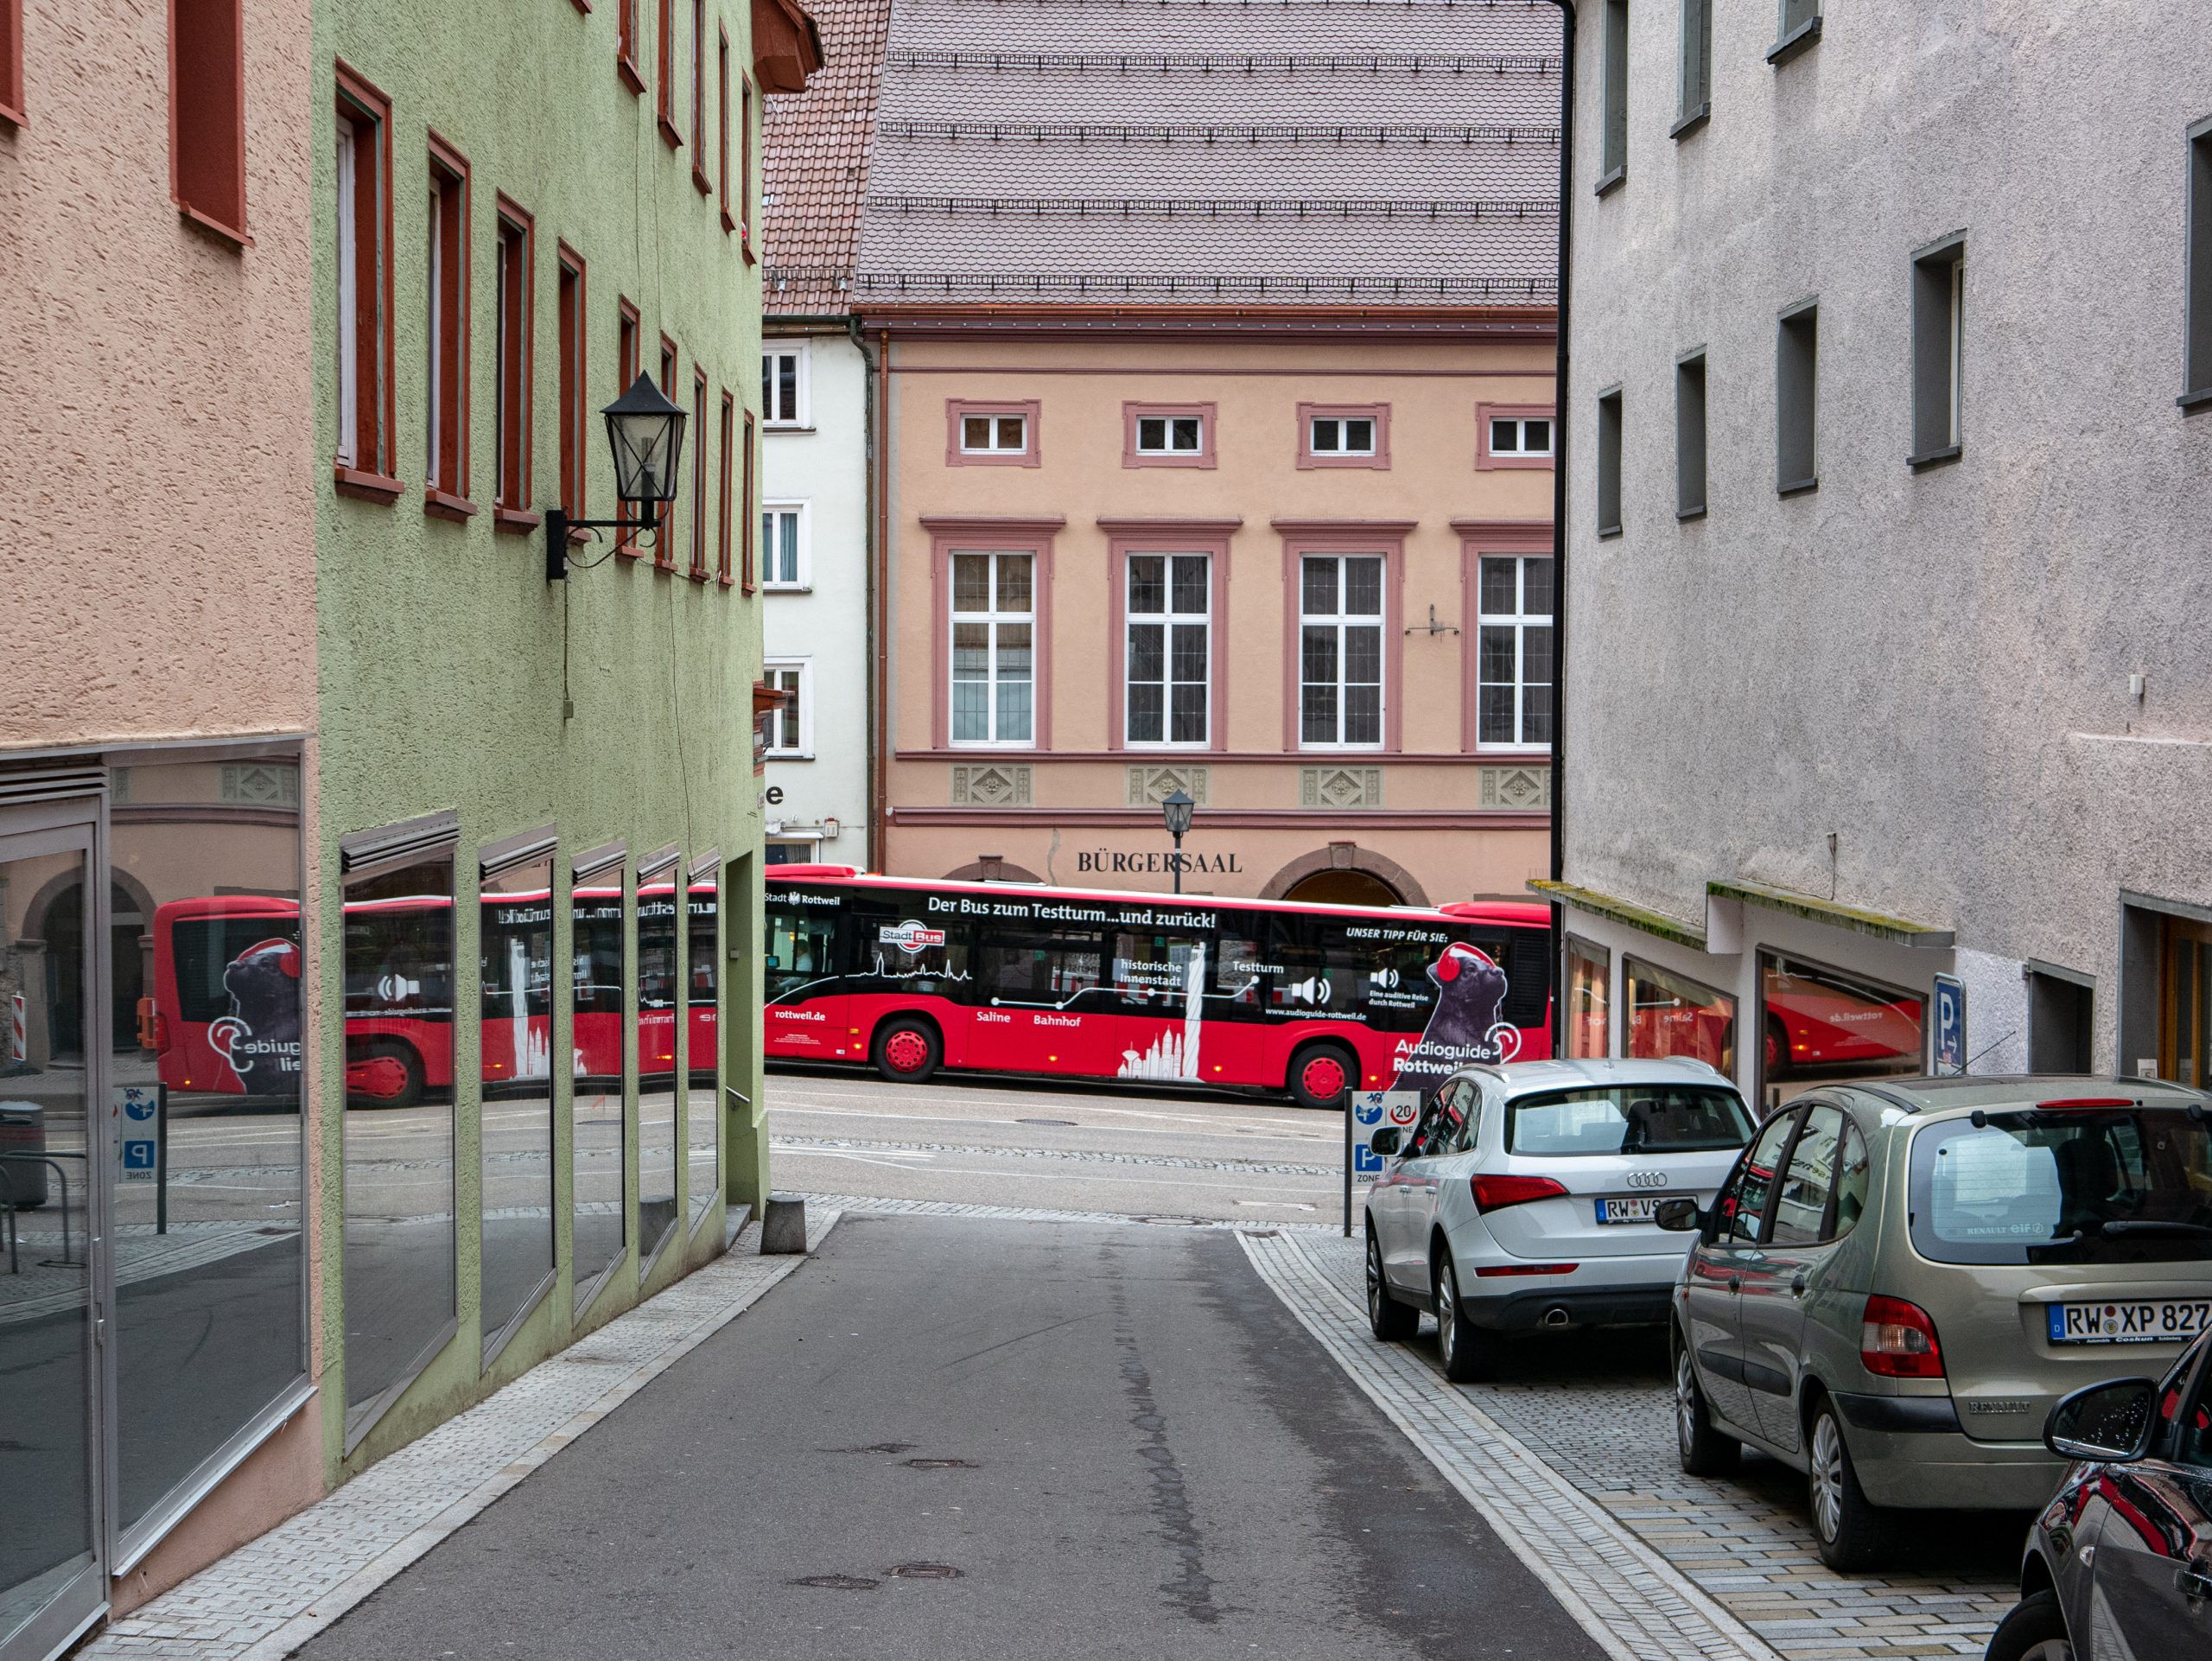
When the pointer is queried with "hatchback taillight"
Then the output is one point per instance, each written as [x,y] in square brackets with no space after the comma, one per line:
[1494,1193]
[1897,1340]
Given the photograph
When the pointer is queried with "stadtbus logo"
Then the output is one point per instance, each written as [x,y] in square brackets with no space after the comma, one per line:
[911,937]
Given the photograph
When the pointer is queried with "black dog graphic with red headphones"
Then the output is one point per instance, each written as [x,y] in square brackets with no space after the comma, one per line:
[1465,1025]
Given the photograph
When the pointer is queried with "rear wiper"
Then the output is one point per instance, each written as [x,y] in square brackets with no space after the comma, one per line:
[2154,1226]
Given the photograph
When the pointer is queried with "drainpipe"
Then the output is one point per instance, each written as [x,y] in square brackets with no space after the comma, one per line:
[878,614]
[871,857]
[1560,430]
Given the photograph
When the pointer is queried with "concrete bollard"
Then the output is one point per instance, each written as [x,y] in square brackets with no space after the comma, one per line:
[783,1226]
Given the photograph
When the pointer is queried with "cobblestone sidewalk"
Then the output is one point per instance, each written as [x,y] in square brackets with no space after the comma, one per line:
[269,1596]
[1743,1545]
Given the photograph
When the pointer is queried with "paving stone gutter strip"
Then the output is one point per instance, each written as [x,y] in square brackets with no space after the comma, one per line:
[855,1202]
[1634,1603]
[272,1595]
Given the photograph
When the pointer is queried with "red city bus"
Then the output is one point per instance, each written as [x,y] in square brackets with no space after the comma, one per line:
[1265,995]
[220,1023]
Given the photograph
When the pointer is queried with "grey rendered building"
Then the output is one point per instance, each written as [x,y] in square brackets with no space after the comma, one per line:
[1888,514]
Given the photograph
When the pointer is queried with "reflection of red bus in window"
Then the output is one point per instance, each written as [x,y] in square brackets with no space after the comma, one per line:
[1269,995]
[224,1015]
[1816,1016]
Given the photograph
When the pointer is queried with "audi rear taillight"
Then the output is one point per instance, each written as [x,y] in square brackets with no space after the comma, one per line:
[1897,1340]
[1495,1192]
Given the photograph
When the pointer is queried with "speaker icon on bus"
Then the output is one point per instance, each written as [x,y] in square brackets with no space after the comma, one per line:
[1315,991]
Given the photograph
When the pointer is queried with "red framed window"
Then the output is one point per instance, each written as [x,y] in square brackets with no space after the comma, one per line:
[745,163]
[11,61]
[366,418]
[517,270]
[626,369]
[663,559]
[626,44]
[698,474]
[445,475]
[575,414]
[665,62]
[730,222]
[699,178]
[206,109]
[745,511]
[729,440]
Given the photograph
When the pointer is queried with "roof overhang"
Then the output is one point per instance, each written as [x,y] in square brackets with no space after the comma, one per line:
[1620,910]
[787,46]
[1898,930]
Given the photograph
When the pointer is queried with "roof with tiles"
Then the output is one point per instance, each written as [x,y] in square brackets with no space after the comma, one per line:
[814,163]
[1399,153]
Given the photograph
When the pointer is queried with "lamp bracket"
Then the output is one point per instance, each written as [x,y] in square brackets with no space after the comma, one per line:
[559,525]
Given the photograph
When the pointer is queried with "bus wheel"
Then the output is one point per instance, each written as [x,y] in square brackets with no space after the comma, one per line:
[1321,1074]
[907,1052]
[384,1074]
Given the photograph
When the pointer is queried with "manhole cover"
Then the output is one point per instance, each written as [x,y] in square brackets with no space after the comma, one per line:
[838,1582]
[1069,1121]
[940,1464]
[926,1572]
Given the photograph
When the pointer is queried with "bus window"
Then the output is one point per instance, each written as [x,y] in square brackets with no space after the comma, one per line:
[1315,971]
[1042,966]
[802,951]
[597,944]
[1399,991]
[658,972]
[1152,971]
[1240,969]
[894,945]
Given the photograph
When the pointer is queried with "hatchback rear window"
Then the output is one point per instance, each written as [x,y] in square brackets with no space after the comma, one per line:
[1626,1119]
[2097,1186]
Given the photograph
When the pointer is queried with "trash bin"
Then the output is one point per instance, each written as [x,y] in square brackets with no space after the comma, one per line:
[22,1131]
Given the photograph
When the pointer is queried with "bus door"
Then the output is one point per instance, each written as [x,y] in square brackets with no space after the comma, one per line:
[1039,1006]
[806,1008]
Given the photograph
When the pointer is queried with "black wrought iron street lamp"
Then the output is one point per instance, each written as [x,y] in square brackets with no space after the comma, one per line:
[645,428]
[1176,808]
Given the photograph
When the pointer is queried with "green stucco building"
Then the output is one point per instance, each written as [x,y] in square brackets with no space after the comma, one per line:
[538,824]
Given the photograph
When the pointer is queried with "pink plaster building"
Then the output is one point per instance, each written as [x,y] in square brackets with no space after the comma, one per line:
[1214,386]
[158,538]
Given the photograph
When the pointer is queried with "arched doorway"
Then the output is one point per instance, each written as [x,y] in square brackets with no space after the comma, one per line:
[993,867]
[1346,888]
[58,917]
[1345,874]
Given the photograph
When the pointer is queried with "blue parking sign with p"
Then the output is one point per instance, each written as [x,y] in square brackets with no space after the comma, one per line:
[1950,1026]
[138,1154]
[1365,1162]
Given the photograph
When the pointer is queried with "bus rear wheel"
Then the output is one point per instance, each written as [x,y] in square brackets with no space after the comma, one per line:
[384,1074]
[1319,1075]
[907,1052]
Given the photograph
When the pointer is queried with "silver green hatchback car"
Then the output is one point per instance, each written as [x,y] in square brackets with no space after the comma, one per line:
[1899,1278]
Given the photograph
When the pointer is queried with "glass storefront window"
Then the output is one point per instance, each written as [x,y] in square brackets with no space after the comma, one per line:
[599,1038]
[1589,989]
[2184,1000]
[515,946]
[204,948]
[399,1252]
[660,1058]
[703,1101]
[1819,1025]
[1672,1015]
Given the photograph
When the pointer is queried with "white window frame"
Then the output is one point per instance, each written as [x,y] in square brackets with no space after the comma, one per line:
[1520,449]
[802,356]
[804,581]
[1340,621]
[993,620]
[995,417]
[779,720]
[1342,447]
[1168,446]
[1520,621]
[1166,620]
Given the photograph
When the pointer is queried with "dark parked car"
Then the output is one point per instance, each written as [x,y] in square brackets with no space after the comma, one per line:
[2119,1565]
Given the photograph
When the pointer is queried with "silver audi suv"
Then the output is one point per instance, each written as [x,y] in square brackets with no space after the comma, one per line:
[1524,1199]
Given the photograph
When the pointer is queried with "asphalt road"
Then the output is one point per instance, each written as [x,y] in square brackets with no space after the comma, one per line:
[1071,1146]
[1112,1442]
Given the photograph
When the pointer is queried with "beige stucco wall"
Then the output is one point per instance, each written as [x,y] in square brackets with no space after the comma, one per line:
[1431,820]
[156,510]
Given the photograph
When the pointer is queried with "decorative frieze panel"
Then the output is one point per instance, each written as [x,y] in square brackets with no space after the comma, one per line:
[250,782]
[992,785]
[1340,787]
[1149,787]
[1516,790]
